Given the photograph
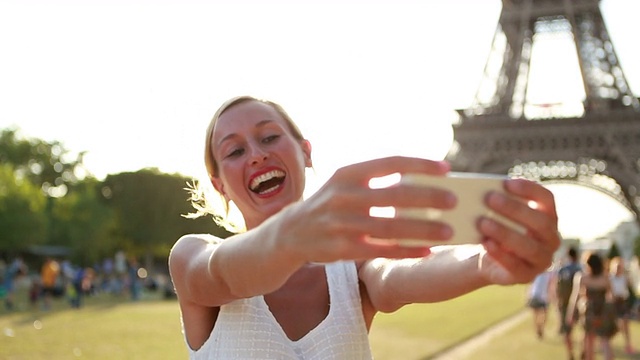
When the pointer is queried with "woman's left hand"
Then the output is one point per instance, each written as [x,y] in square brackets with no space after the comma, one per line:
[513,257]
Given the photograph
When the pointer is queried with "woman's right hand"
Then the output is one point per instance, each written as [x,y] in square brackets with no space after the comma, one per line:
[335,223]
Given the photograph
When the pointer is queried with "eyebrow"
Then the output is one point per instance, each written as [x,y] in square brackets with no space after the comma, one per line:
[261,123]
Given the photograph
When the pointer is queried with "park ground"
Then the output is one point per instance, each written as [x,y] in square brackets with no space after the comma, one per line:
[491,323]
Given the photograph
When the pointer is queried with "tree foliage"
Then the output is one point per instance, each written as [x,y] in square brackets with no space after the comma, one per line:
[149,208]
[82,222]
[48,165]
[23,220]
[44,202]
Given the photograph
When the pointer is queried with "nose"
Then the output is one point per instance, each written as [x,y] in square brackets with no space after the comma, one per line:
[258,155]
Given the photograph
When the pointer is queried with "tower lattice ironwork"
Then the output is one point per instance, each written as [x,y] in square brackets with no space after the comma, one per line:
[594,142]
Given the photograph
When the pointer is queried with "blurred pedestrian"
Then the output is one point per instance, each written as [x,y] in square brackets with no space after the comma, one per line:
[621,288]
[564,288]
[12,272]
[35,291]
[593,288]
[76,287]
[539,298]
[134,281]
[49,278]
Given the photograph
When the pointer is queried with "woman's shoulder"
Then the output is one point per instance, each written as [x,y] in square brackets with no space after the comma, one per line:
[208,238]
[187,245]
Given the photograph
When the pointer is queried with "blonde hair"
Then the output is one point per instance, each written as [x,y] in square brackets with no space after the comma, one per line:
[208,201]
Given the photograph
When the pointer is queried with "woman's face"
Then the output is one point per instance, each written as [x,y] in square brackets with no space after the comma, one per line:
[261,166]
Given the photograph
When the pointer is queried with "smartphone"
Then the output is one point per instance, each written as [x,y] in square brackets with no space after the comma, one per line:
[471,190]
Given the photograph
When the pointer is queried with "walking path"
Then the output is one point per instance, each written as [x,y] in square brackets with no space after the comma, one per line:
[466,348]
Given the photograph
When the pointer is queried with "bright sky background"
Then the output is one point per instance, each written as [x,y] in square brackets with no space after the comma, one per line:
[135,82]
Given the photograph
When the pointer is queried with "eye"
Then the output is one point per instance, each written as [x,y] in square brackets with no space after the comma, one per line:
[235,152]
[270,138]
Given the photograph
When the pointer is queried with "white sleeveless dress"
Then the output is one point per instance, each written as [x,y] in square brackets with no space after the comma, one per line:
[246,329]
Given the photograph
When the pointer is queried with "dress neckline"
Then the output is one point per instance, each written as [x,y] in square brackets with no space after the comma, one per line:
[318,327]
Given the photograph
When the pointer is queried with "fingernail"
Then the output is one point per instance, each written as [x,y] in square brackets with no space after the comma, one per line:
[487,225]
[490,246]
[451,200]
[447,232]
[496,199]
[514,184]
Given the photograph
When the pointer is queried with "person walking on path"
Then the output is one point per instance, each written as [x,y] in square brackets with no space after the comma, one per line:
[593,288]
[621,289]
[540,292]
[564,288]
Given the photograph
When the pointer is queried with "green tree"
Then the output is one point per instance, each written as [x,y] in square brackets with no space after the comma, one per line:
[149,208]
[49,165]
[23,221]
[84,223]
[48,168]
[45,199]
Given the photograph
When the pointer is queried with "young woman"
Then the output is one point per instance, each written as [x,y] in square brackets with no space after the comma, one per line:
[539,297]
[306,278]
[621,288]
[593,291]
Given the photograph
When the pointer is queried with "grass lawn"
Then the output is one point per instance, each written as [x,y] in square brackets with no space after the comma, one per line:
[421,331]
[522,343]
[112,328]
[106,329]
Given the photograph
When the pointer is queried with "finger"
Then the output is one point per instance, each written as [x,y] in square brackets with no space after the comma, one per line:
[407,195]
[362,172]
[539,224]
[363,248]
[522,271]
[357,226]
[519,246]
[361,199]
[542,221]
[533,191]
[408,228]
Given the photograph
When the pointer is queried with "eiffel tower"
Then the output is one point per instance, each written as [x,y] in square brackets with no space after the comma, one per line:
[594,142]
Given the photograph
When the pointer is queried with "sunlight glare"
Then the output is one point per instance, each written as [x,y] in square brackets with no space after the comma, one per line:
[380,183]
[384,181]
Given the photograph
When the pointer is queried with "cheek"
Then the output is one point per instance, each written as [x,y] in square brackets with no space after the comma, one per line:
[231,176]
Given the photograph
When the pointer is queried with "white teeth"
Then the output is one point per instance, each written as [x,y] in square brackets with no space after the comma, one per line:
[268,190]
[264,177]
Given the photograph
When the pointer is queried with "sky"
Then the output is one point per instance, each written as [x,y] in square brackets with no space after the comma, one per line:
[134,83]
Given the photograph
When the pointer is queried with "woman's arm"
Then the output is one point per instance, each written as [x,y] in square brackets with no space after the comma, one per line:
[334,224]
[609,294]
[211,272]
[448,272]
[573,299]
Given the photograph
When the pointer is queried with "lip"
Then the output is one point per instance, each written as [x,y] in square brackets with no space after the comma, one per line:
[261,172]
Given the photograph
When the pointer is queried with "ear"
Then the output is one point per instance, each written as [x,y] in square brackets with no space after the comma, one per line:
[218,185]
[306,149]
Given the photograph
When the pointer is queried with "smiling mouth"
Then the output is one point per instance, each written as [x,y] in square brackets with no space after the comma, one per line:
[267,182]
